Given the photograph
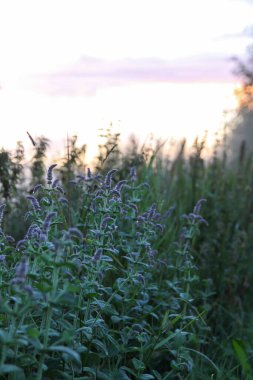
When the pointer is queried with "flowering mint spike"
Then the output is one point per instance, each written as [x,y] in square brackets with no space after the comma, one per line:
[152,211]
[198,206]
[108,177]
[28,289]
[63,200]
[34,202]
[75,232]
[36,188]
[47,221]
[97,255]
[60,189]
[50,173]
[2,208]
[21,271]
[55,182]
[105,221]
[120,184]
[21,243]
[198,218]
[32,231]
[133,174]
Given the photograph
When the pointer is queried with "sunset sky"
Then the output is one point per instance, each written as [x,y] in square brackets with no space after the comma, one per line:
[161,66]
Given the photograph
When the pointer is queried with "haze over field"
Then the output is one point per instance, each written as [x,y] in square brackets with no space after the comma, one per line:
[146,66]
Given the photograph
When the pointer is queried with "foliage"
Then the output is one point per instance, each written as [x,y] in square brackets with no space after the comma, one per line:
[95,299]
[143,288]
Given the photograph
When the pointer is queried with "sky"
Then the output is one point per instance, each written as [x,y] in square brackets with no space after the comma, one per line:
[146,66]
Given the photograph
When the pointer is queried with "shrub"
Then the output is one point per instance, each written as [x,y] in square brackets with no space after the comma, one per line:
[86,295]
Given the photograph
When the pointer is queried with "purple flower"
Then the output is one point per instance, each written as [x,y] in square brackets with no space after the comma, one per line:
[198,206]
[47,221]
[2,208]
[21,271]
[21,243]
[120,184]
[105,221]
[115,193]
[33,231]
[34,202]
[36,188]
[198,218]
[152,211]
[50,173]
[160,227]
[108,177]
[28,289]
[55,183]
[133,174]
[75,232]
[63,200]
[97,255]
[60,189]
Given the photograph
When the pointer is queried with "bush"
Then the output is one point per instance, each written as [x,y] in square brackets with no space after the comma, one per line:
[85,294]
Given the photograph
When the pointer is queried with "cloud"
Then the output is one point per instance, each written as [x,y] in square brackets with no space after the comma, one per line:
[90,74]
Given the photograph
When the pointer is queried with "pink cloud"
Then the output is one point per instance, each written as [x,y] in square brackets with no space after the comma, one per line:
[89,74]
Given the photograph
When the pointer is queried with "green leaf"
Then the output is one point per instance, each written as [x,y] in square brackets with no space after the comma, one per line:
[100,345]
[9,368]
[242,356]
[115,319]
[89,370]
[138,364]
[66,350]
[33,333]
[205,357]
[3,336]
[145,376]
[157,375]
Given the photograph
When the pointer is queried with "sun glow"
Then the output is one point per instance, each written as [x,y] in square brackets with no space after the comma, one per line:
[44,37]
[169,111]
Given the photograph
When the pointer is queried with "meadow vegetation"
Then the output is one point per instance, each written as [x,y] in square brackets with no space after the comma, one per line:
[139,268]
